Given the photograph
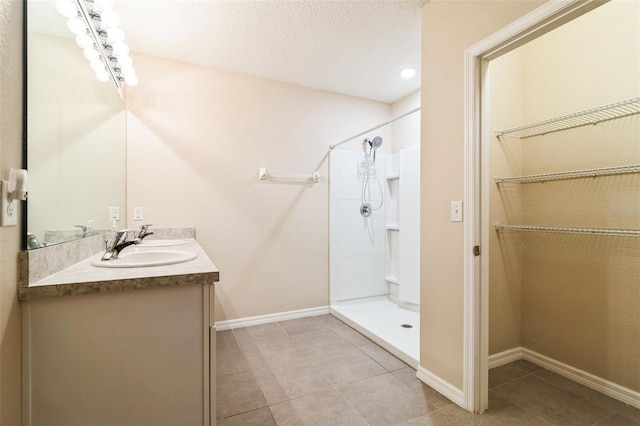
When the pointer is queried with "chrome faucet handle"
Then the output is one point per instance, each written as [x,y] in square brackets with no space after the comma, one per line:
[117,243]
[142,231]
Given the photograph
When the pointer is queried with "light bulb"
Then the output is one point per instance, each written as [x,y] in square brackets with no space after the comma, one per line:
[125,61]
[77,26]
[67,8]
[91,54]
[84,41]
[120,49]
[102,75]
[97,65]
[131,80]
[115,35]
[110,19]
[101,5]
[127,71]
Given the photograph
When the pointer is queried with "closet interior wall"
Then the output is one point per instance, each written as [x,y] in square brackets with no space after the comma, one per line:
[574,298]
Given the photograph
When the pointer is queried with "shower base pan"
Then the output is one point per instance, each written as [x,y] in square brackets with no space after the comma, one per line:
[390,326]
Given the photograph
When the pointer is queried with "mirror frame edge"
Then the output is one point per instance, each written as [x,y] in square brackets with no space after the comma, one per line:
[23,220]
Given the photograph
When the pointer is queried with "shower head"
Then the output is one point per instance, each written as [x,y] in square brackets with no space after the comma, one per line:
[376,142]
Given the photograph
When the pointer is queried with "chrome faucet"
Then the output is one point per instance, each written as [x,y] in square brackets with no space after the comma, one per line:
[116,243]
[142,232]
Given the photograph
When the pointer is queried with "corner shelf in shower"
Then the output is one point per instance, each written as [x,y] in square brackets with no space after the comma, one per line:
[393,176]
[576,174]
[393,227]
[392,279]
[583,118]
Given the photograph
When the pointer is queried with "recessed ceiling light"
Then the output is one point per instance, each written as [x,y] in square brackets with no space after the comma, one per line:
[407,73]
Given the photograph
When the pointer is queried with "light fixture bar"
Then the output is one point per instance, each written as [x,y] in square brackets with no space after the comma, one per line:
[97,31]
[97,41]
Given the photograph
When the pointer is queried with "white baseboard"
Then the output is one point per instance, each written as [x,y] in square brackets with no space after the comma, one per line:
[502,358]
[265,319]
[442,386]
[621,393]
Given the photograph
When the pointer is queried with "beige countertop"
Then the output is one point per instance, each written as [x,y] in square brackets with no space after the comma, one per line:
[84,278]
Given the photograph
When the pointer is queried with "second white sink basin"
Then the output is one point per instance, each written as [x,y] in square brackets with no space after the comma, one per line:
[163,243]
[140,259]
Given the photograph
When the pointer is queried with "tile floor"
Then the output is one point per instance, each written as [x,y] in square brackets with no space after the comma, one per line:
[319,371]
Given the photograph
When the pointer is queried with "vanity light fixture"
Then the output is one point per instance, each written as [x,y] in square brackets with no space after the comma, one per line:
[96,26]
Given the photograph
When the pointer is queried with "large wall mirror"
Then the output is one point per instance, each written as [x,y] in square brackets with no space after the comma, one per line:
[76,136]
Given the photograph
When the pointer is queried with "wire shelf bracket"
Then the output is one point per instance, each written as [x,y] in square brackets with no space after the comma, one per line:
[591,116]
[569,230]
[576,174]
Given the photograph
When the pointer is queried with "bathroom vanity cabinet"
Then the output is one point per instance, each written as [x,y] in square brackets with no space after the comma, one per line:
[136,356]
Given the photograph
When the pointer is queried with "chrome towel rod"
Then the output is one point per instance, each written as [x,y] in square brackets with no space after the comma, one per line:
[264,174]
[374,128]
[569,230]
[576,174]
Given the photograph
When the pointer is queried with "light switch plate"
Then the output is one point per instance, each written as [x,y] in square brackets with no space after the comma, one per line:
[456,211]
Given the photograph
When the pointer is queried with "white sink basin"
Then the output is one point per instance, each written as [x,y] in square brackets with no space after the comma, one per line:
[140,259]
[162,243]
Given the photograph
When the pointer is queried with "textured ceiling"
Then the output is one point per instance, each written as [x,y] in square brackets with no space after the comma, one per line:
[351,47]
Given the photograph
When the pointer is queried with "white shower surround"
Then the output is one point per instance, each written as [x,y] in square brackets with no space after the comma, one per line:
[366,257]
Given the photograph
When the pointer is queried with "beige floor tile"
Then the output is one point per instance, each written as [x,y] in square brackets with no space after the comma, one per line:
[343,330]
[630,413]
[323,343]
[259,417]
[258,333]
[347,367]
[330,320]
[319,371]
[230,361]
[282,383]
[382,357]
[385,400]
[267,352]
[408,376]
[617,420]
[501,413]
[549,402]
[237,393]
[320,409]
[226,340]
[303,325]
[509,372]
[583,392]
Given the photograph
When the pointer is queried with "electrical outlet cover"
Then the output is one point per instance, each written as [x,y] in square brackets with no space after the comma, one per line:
[9,216]
[114,213]
[138,213]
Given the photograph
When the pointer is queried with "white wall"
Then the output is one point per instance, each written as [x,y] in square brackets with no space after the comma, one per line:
[196,138]
[405,133]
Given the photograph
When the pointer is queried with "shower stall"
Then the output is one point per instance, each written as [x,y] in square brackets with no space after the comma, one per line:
[375,237]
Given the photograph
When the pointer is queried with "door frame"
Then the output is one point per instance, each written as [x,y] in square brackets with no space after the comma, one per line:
[540,21]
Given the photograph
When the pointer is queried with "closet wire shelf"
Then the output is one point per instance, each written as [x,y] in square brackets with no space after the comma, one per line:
[569,230]
[582,118]
[576,174]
